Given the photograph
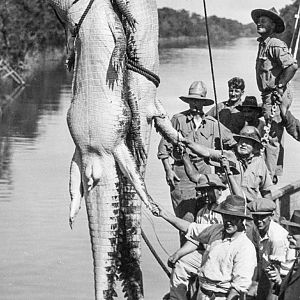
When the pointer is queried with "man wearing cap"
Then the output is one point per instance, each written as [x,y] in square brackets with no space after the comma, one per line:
[195,125]
[288,288]
[228,263]
[229,116]
[275,67]
[273,246]
[253,176]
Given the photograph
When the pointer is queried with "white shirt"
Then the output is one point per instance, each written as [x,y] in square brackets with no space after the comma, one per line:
[227,263]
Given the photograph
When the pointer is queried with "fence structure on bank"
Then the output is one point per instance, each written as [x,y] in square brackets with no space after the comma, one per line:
[7,71]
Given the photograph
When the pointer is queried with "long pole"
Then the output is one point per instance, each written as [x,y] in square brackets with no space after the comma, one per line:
[155,254]
[294,33]
[214,88]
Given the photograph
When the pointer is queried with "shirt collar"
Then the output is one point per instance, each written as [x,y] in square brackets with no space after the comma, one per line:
[190,118]
[230,239]
[266,40]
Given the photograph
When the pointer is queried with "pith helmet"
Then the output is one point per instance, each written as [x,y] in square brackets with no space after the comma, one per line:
[210,181]
[198,91]
[251,133]
[234,206]
[273,14]
[250,102]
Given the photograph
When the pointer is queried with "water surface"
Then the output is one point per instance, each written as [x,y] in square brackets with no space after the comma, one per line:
[40,257]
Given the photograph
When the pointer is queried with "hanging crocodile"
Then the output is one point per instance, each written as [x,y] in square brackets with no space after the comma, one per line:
[112,109]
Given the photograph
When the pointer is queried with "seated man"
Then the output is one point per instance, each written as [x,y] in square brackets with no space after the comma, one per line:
[229,116]
[253,177]
[288,288]
[209,189]
[229,260]
[273,246]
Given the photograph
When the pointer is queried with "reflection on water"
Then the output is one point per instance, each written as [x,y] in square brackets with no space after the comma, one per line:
[41,258]
[20,112]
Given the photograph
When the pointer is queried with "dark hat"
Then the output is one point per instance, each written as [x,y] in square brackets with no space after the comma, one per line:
[273,14]
[251,133]
[210,180]
[234,206]
[262,207]
[294,221]
[198,91]
[250,102]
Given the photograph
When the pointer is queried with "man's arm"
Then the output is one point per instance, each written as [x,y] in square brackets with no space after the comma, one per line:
[190,170]
[286,76]
[290,122]
[187,248]
[171,176]
[178,223]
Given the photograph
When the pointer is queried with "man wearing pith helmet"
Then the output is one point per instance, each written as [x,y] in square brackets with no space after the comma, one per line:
[196,126]
[275,67]
[273,246]
[253,176]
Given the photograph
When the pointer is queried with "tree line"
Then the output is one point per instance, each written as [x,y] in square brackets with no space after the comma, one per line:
[30,26]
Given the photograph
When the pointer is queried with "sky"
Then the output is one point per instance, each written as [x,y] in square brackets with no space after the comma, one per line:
[231,9]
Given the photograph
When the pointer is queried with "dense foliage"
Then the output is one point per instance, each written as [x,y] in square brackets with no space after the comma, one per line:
[177,23]
[27,26]
[288,13]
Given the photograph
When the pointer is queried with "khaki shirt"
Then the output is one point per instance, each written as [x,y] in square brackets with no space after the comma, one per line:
[206,134]
[272,58]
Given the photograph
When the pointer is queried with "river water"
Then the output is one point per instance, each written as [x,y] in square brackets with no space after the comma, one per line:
[40,257]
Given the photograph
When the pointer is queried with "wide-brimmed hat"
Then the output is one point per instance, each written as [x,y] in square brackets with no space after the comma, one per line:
[198,91]
[210,181]
[262,207]
[273,14]
[251,133]
[234,206]
[294,221]
[250,102]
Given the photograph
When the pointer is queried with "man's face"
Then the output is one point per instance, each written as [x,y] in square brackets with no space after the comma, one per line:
[209,195]
[196,106]
[231,224]
[235,94]
[250,114]
[294,237]
[245,147]
[265,26]
[262,222]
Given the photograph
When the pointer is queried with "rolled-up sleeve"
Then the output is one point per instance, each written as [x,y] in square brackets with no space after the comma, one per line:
[201,233]
[243,267]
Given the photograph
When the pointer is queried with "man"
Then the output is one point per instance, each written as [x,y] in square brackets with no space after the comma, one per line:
[228,263]
[209,190]
[273,247]
[251,113]
[195,125]
[275,67]
[253,177]
[288,288]
[229,116]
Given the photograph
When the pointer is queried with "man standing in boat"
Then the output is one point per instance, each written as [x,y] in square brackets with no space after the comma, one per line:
[275,67]
[196,126]
[229,116]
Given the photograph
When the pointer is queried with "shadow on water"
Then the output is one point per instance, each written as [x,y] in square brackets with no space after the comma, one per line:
[21,108]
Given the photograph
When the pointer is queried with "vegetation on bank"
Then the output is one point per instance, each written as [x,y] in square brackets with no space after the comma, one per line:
[31,27]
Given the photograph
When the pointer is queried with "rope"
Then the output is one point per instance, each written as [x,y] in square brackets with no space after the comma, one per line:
[215,93]
[78,25]
[136,67]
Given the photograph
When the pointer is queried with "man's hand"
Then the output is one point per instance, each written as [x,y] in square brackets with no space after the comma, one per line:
[172,260]
[273,274]
[225,164]
[171,177]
